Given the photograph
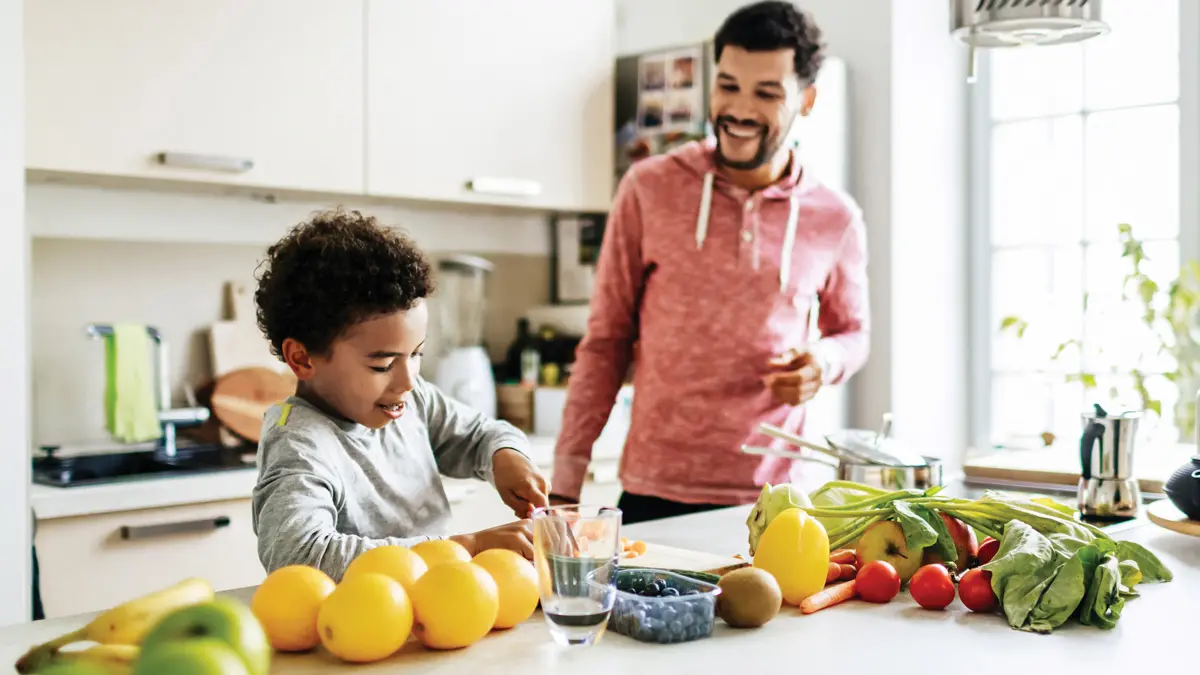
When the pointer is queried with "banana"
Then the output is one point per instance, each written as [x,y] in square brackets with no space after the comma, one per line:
[125,624]
[114,659]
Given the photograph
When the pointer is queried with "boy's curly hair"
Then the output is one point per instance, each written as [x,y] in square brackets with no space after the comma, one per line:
[333,271]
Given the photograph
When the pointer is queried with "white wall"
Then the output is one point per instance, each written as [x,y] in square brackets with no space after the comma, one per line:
[908,172]
[14,331]
[929,220]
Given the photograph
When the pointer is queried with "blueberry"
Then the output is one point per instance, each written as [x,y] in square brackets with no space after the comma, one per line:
[676,627]
[669,614]
[687,619]
[670,593]
[691,591]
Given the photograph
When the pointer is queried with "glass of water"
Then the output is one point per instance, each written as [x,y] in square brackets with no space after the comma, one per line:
[576,549]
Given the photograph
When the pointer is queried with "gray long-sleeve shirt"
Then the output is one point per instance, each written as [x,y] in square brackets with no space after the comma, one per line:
[329,489]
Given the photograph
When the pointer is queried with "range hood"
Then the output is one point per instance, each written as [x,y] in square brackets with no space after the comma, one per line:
[992,24]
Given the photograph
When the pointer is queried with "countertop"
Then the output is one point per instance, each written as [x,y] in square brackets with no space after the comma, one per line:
[58,502]
[1155,630]
[1059,465]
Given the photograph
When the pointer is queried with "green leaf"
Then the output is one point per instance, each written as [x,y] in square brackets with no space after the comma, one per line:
[1154,405]
[1014,323]
[1151,567]
[918,533]
[944,545]
[1147,289]
[1022,570]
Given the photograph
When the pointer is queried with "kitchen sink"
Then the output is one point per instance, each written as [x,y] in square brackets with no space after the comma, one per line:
[101,468]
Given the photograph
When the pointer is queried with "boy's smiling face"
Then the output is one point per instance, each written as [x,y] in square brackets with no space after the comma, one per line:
[369,370]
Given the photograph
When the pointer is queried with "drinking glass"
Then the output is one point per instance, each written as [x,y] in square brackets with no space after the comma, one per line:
[576,549]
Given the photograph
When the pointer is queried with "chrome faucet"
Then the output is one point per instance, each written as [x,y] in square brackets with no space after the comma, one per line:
[169,418]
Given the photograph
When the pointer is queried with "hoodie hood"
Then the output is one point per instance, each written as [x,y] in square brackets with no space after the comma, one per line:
[698,159]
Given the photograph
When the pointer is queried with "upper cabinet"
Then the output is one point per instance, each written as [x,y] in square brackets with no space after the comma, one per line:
[265,93]
[491,102]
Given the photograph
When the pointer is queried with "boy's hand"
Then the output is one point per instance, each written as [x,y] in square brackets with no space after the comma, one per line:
[519,483]
[517,536]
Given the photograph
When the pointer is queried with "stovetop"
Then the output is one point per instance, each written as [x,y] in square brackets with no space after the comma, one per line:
[120,466]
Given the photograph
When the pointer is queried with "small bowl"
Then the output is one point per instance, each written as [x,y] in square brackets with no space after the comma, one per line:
[687,616]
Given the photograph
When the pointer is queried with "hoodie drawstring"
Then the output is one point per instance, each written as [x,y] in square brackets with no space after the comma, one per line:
[789,235]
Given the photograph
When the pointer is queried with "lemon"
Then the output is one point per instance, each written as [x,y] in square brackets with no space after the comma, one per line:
[795,550]
[368,617]
[396,562]
[517,581]
[435,551]
[456,604]
[286,604]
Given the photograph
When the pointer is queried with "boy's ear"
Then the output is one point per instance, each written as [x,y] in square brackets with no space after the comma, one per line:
[296,356]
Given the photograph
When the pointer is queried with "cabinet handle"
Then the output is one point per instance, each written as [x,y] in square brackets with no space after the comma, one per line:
[129,532]
[186,160]
[514,187]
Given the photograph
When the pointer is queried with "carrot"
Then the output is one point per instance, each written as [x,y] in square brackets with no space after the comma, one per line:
[843,556]
[828,597]
[835,572]
[847,572]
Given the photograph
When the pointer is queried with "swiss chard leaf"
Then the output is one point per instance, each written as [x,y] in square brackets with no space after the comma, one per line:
[918,533]
[1103,602]
[1151,567]
[1066,591]
[1023,568]
[944,545]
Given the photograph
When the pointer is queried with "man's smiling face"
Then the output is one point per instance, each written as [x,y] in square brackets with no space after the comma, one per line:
[754,102]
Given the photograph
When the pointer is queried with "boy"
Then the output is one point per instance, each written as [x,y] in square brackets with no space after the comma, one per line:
[352,460]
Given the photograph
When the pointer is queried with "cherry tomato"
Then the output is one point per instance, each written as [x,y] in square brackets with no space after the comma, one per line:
[932,587]
[877,581]
[987,550]
[975,591]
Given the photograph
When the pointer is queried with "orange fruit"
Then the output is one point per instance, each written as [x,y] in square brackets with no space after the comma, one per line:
[287,603]
[396,562]
[436,551]
[456,604]
[367,618]
[517,582]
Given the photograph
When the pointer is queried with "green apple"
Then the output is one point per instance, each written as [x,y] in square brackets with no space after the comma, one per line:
[195,656]
[222,619]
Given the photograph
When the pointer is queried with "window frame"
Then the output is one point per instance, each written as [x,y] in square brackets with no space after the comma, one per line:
[980,329]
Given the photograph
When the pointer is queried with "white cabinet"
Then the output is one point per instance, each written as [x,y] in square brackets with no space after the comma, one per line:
[491,102]
[90,563]
[266,93]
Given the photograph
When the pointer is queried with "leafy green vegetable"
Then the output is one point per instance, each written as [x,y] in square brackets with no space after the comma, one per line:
[1024,566]
[1148,564]
[1049,568]
[918,533]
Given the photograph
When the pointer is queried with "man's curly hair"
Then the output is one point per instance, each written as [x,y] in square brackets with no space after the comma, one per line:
[333,271]
[773,24]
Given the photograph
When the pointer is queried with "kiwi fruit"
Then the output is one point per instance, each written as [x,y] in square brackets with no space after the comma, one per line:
[750,597]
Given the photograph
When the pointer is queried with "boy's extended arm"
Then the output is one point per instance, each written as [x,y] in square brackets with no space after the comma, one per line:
[464,440]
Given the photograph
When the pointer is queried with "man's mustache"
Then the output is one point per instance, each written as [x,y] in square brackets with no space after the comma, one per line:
[727,119]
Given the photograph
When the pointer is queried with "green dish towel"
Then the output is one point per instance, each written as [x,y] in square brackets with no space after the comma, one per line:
[129,402]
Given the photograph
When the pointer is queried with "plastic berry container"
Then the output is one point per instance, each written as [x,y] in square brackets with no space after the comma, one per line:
[654,605]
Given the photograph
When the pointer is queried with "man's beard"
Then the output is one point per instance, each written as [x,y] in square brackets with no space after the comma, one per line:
[767,146]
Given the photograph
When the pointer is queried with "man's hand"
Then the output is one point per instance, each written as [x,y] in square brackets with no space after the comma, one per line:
[795,378]
[517,536]
[519,483]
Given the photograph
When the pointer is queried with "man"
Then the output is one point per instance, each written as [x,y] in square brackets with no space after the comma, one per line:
[713,261]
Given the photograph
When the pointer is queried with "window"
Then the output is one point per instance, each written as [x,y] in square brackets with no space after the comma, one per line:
[1068,143]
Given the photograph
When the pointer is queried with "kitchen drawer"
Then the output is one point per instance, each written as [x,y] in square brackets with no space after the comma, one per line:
[90,563]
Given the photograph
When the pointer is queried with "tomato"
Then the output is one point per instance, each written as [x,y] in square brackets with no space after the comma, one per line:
[987,550]
[975,591]
[932,587]
[877,581]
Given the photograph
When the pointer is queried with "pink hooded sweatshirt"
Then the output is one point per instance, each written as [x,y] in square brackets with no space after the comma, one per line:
[711,281]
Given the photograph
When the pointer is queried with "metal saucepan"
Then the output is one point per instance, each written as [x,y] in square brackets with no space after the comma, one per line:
[868,473]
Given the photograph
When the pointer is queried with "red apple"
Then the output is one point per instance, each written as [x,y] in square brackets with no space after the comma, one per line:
[965,542]
[884,540]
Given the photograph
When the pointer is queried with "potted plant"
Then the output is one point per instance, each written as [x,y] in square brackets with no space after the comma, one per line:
[1169,327]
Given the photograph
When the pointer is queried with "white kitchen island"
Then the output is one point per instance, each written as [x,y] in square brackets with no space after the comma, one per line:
[1158,629]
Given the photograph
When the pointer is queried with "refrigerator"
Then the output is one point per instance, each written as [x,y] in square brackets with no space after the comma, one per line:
[661,101]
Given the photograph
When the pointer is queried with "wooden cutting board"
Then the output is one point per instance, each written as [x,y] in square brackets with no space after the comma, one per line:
[672,558]
[241,397]
[236,342]
[1165,514]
